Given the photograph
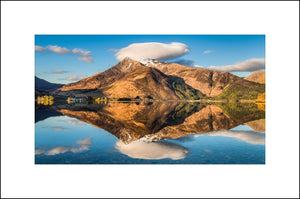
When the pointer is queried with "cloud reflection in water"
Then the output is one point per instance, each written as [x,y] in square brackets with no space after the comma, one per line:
[82,145]
[250,137]
[152,150]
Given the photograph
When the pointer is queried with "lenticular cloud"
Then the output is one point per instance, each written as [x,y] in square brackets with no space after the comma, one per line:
[152,50]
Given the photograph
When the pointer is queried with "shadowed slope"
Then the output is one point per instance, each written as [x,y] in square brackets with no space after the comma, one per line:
[43,85]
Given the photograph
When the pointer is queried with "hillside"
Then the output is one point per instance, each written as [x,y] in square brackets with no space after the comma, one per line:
[131,79]
[257,76]
[213,83]
[104,78]
[164,81]
[43,85]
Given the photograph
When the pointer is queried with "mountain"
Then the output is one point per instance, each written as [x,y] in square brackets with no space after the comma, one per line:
[257,76]
[43,85]
[105,78]
[212,83]
[165,81]
[131,79]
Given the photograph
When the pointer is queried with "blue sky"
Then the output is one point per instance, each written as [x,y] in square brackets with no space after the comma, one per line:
[67,58]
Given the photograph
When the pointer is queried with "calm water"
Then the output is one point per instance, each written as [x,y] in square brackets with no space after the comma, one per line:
[150,133]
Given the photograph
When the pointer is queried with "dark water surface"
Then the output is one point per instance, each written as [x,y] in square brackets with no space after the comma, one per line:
[150,133]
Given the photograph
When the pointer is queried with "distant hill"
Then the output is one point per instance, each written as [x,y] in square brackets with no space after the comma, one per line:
[257,76]
[43,85]
[165,81]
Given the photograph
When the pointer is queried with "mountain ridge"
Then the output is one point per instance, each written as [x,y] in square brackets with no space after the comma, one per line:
[165,81]
[209,82]
[131,79]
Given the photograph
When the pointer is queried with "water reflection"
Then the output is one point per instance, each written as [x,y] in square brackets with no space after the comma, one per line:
[74,122]
[152,150]
[130,122]
[82,145]
[58,128]
[250,137]
[157,131]
[257,125]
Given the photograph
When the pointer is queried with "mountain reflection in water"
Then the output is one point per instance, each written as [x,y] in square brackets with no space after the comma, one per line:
[142,127]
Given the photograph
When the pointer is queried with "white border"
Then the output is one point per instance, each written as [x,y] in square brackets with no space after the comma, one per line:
[278,20]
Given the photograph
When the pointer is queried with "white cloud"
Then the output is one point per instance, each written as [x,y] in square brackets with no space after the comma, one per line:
[248,65]
[74,122]
[60,71]
[83,55]
[76,50]
[58,150]
[152,150]
[39,151]
[251,137]
[59,50]
[86,58]
[39,48]
[74,77]
[86,141]
[82,145]
[152,50]
[58,128]
[207,51]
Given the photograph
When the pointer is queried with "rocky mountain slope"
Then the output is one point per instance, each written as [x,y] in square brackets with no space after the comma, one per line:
[209,82]
[160,80]
[257,76]
[131,79]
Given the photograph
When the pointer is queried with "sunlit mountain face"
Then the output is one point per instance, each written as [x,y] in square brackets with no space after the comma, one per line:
[150,132]
[162,81]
